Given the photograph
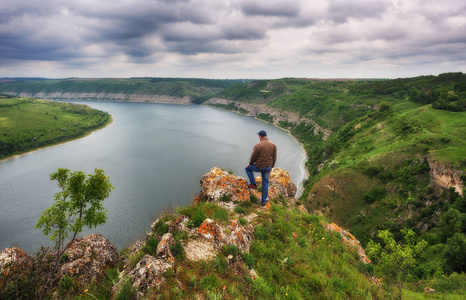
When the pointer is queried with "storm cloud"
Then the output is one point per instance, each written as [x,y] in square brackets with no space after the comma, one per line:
[231,38]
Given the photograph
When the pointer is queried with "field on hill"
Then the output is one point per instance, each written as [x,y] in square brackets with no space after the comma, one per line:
[27,124]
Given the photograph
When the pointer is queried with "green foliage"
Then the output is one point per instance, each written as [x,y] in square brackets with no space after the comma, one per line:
[77,205]
[230,250]
[455,252]
[248,259]
[151,246]
[210,282]
[394,261]
[177,250]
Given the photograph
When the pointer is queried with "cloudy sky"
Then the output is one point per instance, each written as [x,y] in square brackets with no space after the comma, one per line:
[232,38]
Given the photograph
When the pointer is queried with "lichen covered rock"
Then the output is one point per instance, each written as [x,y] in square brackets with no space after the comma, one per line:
[220,185]
[9,256]
[88,257]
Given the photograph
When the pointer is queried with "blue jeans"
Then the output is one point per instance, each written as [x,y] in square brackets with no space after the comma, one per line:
[265,173]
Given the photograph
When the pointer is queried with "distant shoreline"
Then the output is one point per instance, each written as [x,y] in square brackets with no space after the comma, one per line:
[58,143]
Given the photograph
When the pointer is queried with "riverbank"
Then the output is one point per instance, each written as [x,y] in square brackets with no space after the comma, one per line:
[32,124]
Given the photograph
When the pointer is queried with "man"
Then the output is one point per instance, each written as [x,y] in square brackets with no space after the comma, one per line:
[262,160]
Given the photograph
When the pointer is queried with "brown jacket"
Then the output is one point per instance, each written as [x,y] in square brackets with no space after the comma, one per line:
[264,154]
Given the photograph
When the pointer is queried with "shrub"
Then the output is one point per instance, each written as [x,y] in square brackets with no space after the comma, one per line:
[210,282]
[248,259]
[220,215]
[151,246]
[230,250]
[243,221]
[261,232]
[177,250]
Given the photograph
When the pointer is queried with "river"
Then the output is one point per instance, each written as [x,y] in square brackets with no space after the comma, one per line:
[155,155]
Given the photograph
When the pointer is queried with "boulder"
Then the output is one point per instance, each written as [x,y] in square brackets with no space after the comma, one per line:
[148,272]
[219,184]
[239,236]
[211,230]
[88,257]
[163,249]
[9,256]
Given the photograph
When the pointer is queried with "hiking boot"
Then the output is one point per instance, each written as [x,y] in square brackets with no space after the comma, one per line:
[252,186]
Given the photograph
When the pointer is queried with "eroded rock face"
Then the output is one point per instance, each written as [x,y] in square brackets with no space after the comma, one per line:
[11,255]
[349,240]
[88,257]
[211,230]
[218,184]
[148,271]
[444,176]
[239,236]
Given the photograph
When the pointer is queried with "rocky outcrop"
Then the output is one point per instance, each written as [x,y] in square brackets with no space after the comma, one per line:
[255,109]
[88,257]
[9,256]
[219,185]
[149,98]
[144,267]
[350,241]
[444,176]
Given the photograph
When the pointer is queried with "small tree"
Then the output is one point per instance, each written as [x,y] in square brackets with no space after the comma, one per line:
[78,204]
[394,261]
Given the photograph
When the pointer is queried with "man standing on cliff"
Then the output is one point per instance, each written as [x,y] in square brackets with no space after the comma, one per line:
[262,160]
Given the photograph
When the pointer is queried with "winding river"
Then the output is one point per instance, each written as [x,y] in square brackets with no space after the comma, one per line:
[155,155]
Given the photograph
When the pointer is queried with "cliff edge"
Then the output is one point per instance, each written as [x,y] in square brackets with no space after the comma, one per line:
[224,246]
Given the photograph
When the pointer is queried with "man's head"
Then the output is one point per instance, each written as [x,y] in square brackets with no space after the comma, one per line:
[262,133]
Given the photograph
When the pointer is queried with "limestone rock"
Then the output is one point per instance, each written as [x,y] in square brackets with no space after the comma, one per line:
[219,184]
[88,257]
[239,236]
[445,176]
[200,249]
[148,272]
[210,230]
[163,249]
[11,255]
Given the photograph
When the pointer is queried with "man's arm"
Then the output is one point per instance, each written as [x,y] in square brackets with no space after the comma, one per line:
[254,155]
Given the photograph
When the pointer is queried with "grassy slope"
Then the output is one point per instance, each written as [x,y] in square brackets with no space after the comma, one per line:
[27,124]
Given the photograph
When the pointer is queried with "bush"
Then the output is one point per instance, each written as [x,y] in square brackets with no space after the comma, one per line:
[210,282]
[151,246]
[177,250]
[230,250]
[261,232]
[248,259]
[455,252]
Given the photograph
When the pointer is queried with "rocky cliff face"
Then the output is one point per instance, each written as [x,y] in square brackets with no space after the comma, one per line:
[444,176]
[148,98]
[88,258]
[256,109]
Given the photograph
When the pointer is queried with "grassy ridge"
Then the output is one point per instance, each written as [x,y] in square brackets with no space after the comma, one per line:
[27,124]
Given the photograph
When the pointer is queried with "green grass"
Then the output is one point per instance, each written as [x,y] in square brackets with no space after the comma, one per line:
[27,124]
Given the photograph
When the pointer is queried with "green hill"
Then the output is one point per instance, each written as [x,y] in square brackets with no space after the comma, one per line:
[396,158]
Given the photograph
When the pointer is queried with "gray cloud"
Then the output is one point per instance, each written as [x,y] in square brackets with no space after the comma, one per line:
[83,35]
[275,8]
